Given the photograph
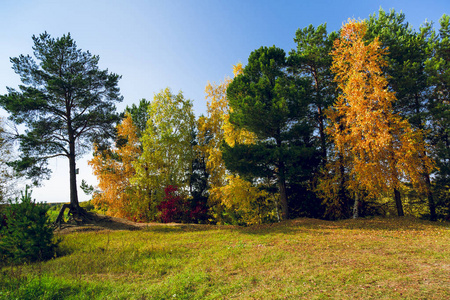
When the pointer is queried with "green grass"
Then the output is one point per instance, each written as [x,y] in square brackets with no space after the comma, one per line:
[299,259]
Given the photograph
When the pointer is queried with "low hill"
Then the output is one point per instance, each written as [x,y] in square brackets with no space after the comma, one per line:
[380,258]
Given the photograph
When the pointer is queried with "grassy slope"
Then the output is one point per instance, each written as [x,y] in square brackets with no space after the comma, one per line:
[300,259]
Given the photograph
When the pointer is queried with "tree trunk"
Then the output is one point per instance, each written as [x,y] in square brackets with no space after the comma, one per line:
[60,217]
[431,204]
[74,205]
[342,192]
[356,207]
[282,182]
[283,198]
[73,182]
[398,202]
[77,213]
[277,209]
[429,192]
[322,136]
[321,122]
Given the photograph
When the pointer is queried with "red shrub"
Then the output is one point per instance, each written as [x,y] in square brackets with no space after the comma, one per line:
[174,208]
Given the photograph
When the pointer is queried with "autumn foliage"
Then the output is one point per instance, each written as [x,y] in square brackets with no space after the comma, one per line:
[173,208]
[379,149]
[317,133]
[114,169]
[177,208]
[226,191]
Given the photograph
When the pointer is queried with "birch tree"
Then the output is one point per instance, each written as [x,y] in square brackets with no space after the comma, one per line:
[383,150]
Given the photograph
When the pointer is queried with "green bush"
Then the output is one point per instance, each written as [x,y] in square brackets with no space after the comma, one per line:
[28,233]
[87,205]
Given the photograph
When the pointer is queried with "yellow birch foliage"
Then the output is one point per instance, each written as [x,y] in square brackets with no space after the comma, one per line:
[211,134]
[383,148]
[114,170]
[226,189]
[243,197]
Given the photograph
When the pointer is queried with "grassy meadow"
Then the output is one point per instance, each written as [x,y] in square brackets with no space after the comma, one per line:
[380,258]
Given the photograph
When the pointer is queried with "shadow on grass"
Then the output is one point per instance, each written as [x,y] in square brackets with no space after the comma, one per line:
[286,227]
[107,223]
[178,227]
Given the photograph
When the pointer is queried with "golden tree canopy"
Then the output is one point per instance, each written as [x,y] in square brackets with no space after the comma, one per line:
[383,148]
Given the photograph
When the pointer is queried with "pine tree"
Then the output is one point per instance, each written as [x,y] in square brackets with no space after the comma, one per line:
[272,104]
[312,60]
[66,102]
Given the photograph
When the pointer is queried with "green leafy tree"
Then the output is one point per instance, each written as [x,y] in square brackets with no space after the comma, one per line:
[66,102]
[168,152]
[268,102]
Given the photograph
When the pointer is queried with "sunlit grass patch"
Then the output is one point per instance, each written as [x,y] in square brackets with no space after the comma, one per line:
[304,258]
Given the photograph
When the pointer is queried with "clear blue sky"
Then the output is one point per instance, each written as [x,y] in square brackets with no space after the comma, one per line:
[173,43]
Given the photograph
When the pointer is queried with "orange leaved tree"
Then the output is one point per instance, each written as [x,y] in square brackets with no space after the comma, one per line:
[114,169]
[380,149]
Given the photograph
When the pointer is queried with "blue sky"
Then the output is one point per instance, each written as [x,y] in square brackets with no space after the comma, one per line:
[173,43]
